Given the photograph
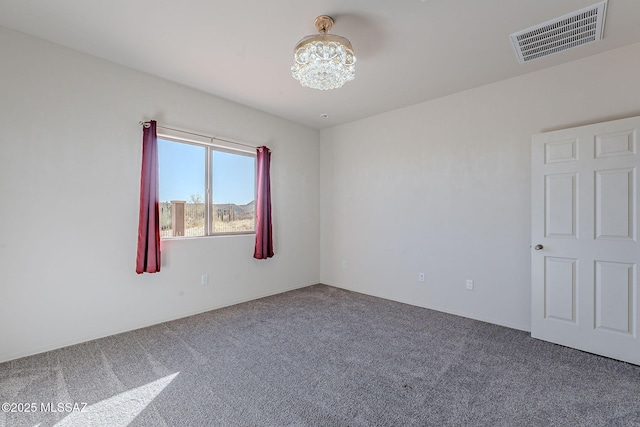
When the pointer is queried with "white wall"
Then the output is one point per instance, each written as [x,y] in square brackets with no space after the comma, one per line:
[70,148]
[443,187]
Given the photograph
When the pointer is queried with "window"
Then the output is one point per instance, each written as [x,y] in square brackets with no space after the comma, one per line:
[205,190]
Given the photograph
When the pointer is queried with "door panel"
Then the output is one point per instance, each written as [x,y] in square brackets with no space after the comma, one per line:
[560,289]
[560,205]
[560,151]
[614,294]
[616,144]
[614,204]
[584,219]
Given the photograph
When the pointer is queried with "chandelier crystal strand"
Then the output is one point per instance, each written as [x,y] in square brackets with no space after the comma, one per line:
[324,61]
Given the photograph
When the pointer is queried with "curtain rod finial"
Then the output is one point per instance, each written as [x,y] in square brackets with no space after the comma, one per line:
[145,124]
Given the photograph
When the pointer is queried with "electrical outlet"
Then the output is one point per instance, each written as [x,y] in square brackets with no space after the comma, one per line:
[420,277]
[204,280]
[344,263]
[470,285]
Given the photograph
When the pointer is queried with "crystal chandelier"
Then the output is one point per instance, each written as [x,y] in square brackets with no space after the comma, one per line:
[323,61]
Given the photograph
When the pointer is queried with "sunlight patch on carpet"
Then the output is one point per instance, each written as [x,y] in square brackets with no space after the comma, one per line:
[119,410]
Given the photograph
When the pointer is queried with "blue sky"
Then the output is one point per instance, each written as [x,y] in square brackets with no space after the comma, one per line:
[182,174]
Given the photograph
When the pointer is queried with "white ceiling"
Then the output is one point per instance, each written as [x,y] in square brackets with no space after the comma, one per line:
[408,51]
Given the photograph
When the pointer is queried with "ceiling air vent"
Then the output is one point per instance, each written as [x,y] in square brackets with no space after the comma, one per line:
[566,32]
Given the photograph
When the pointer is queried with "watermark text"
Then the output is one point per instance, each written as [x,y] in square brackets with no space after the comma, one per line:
[65,407]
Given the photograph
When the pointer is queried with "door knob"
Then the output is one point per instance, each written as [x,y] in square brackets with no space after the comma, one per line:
[538,247]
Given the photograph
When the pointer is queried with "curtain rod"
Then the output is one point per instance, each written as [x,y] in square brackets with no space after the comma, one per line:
[146,125]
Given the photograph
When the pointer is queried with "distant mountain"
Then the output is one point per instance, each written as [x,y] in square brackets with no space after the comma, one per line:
[249,207]
[239,211]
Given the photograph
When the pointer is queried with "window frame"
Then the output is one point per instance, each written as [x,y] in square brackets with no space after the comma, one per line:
[210,148]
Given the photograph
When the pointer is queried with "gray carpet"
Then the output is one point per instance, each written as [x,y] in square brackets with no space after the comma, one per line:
[320,356]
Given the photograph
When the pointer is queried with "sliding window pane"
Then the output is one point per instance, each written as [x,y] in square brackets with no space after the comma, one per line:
[233,192]
[182,189]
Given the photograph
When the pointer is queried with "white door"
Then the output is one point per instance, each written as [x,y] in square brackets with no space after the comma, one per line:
[585,250]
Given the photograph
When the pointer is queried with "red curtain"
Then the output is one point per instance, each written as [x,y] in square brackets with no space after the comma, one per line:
[148,258]
[264,236]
